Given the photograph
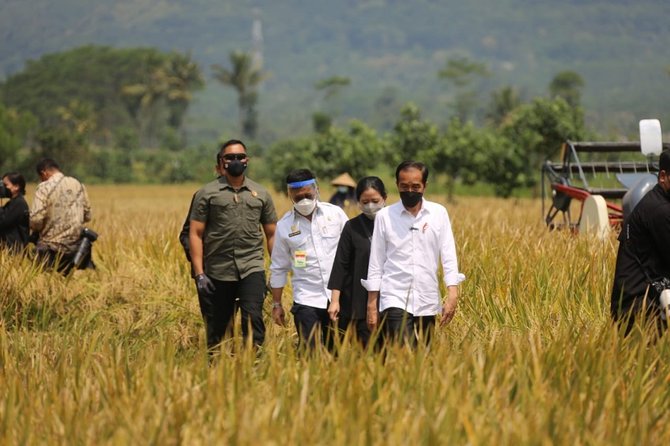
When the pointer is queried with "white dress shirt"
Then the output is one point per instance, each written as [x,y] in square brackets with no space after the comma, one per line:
[405,257]
[307,248]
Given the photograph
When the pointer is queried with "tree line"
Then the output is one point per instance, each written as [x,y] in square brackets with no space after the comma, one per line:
[118,114]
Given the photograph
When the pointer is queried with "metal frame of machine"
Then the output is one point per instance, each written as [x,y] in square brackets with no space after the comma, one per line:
[563,175]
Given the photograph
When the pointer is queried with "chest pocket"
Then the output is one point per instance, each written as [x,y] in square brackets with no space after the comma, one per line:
[252,210]
[298,241]
[331,230]
[219,203]
[217,209]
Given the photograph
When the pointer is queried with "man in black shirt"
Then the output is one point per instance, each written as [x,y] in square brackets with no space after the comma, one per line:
[644,254]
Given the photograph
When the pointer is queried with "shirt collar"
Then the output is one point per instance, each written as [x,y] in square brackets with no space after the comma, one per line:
[424,209]
[225,185]
[55,177]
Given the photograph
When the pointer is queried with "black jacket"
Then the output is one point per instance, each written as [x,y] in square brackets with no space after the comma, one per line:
[351,265]
[644,252]
[14,219]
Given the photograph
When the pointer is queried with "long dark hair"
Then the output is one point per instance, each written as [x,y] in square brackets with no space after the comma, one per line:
[17,180]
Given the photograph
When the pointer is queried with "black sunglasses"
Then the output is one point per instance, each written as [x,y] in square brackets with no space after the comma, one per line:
[235,156]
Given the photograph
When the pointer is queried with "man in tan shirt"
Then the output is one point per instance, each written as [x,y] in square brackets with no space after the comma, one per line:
[58,214]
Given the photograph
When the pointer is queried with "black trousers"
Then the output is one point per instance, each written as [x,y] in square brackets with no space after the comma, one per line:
[643,310]
[218,309]
[312,323]
[359,327]
[63,262]
[400,326]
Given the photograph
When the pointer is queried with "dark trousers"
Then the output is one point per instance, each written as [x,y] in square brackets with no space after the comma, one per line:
[62,262]
[642,310]
[401,326]
[358,327]
[218,309]
[312,323]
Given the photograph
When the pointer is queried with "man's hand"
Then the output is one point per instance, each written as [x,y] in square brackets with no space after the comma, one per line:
[373,312]
[449,307]
[278,315]
[373,317]
[334,310]
[204,285]
[277,310]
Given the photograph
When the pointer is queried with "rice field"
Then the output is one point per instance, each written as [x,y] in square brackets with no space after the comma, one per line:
[117,355]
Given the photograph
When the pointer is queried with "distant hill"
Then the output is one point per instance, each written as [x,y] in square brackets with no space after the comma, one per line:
[391,50]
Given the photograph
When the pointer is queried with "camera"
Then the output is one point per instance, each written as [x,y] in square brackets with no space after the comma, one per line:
[4,192]
[88,236]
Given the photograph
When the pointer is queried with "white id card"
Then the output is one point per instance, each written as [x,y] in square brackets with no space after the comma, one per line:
[300,259]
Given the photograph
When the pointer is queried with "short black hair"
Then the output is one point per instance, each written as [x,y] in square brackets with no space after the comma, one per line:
[405,165]
[230,142]
[17,180]
[664,161]
[370,183]
[299,175]
[46,164]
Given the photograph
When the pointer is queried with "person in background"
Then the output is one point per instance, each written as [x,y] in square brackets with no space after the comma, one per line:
[227,223]
[307,238]
[644,257]
[412,240]
[186,227]
[344,195]
[348,304]
[58,213]
[15,214]
[184,240]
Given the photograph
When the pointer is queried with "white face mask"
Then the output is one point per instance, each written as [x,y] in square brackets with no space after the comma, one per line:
[371,209]
[305,206]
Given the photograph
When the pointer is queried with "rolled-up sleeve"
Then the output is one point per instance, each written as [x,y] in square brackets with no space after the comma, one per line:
[448,254]
[280,261]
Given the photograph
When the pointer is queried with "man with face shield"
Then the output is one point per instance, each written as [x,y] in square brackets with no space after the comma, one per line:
[306,242]
[412,240]
[226,247]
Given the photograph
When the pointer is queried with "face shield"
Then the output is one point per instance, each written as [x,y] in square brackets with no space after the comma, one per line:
[304,195]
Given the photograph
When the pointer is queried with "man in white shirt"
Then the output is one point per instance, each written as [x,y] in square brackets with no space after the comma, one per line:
[411,240]
[305,244]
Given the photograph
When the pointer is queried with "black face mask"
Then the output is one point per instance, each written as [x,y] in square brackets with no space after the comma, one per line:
[235,168]
[410,199]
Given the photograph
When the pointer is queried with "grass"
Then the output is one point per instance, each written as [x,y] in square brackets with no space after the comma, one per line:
[117,356]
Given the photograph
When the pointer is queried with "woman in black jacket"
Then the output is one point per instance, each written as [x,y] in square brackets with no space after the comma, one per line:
[348,305]
[14,215]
